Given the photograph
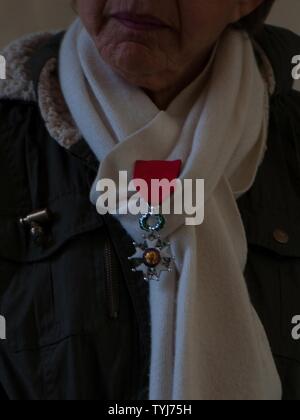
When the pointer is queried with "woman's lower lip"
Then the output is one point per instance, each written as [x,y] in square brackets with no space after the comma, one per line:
[140,26]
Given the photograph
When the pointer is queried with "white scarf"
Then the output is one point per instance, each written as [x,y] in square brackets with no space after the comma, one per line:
[207,340]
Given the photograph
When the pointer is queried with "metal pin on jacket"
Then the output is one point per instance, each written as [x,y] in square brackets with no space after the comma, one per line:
[36,221]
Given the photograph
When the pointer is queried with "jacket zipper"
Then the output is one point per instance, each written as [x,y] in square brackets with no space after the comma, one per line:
[113,295]
[111,282]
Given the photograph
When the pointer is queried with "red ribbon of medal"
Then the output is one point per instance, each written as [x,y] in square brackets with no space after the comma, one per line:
[149,170]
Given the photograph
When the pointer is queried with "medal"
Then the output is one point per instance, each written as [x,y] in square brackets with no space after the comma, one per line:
[153,255]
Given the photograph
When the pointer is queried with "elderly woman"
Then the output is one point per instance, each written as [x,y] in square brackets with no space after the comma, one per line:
[196,89]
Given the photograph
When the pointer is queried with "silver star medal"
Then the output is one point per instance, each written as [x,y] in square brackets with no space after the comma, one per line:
[153,255]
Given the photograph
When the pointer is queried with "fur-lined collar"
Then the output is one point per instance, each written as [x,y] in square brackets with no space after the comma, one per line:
[19,85]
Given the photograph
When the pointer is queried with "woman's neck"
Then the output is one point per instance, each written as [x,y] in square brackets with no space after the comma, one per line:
[164,97]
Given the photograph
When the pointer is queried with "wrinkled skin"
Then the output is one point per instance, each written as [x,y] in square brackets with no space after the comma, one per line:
[162,61]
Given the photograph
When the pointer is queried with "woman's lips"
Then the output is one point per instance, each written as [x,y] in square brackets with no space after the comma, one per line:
[139,22]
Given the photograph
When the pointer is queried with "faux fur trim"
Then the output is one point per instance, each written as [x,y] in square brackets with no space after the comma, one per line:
[18,84]
[54,109]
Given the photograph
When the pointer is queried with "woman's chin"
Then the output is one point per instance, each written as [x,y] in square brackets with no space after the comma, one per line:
[133,60]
